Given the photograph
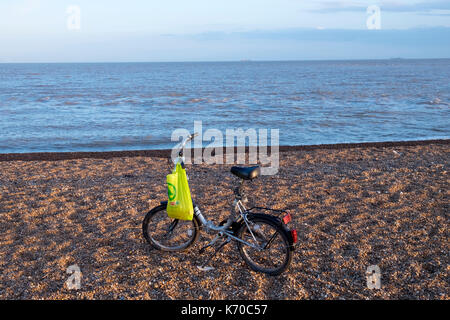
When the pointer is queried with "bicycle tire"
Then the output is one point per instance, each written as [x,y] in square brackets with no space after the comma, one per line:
[191,227]
[277,236]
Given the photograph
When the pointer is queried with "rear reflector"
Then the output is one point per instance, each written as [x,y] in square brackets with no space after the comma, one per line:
[294,235]
[287,218]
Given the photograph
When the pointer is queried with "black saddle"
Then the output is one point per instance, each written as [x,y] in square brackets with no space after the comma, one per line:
[246,173]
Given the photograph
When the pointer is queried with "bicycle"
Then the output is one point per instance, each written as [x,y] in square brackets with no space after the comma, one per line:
[264,241]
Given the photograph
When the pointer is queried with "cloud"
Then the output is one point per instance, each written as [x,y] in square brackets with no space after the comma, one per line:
[25,7]
[315,43]
[288,44]
[422,35]
[423,7]
[442,13]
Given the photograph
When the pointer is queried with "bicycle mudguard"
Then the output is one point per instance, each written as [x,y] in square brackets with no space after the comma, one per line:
[279,223]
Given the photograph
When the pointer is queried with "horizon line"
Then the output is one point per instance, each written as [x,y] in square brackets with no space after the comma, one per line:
[244,60]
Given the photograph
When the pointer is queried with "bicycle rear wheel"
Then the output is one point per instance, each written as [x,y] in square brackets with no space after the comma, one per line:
[168,234]
[271,251]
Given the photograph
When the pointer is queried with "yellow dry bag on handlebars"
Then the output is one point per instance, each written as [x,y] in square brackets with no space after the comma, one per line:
[179,205]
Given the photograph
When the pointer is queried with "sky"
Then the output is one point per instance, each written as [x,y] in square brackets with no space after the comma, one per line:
[208,30]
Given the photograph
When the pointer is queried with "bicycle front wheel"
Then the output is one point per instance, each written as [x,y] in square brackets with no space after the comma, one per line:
[268,248]
[168,234]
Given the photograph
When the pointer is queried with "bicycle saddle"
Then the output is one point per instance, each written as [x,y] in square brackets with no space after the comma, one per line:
[246,173]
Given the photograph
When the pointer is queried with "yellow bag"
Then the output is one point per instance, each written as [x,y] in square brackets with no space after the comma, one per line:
[179,205]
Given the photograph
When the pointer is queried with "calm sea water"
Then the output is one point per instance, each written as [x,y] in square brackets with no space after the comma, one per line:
[128,106]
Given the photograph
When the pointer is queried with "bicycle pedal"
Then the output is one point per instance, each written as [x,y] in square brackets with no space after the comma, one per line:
[210,244]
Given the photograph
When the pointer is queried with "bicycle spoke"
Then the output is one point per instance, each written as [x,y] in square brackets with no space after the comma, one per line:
[273,255]
[173,225]
[170,234]
[271,240]
[170,230]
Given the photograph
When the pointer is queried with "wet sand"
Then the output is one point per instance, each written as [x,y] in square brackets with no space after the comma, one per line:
[354,206]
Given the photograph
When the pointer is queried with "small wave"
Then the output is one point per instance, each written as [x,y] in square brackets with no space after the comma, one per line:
[109,104]
[126,102]
[195,100]
[70,103]
[175,94]
[69,96]
[130,101]
[434,102]
[438,130]
[122,142]
[295,98]
[322,92]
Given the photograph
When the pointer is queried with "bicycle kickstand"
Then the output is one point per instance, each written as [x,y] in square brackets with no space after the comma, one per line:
[220,247]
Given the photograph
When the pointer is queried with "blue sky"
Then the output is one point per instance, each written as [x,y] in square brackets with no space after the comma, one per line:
[201,30]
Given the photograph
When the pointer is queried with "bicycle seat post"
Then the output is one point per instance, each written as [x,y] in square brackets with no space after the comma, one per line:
[239,192]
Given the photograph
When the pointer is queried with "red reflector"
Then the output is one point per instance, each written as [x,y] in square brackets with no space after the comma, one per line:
[287,218]
[294,235]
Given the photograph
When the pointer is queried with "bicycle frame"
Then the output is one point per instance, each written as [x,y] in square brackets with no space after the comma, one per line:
[222,230]
[239,205]
[250,228]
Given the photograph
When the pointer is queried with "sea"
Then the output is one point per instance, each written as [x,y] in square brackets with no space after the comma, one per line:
[52,107]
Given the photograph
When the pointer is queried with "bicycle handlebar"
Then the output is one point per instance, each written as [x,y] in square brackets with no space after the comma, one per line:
[189,138]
